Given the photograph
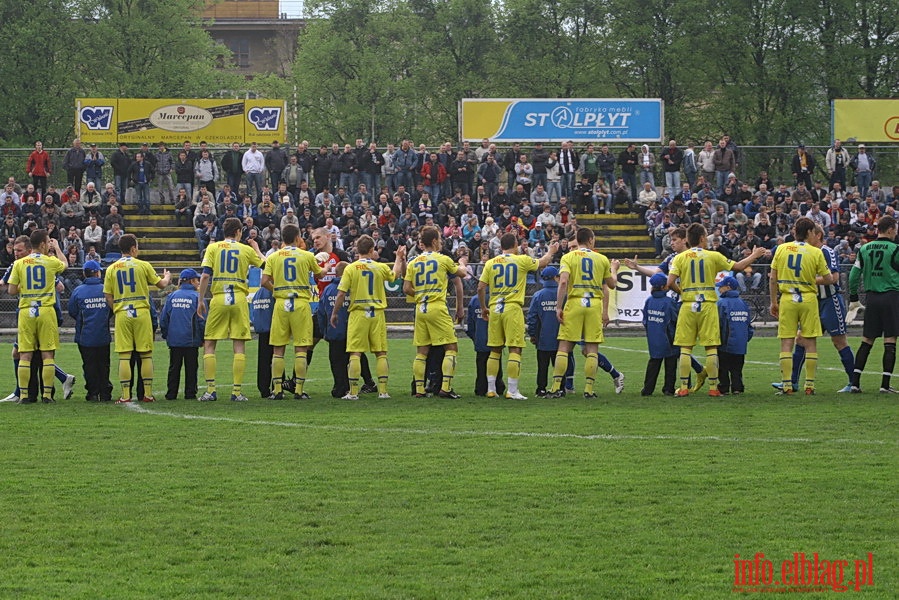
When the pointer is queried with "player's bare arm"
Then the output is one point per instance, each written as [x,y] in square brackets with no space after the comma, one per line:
[548,257]
[482,298]
[268,283]
[460,297]
[165,281]
[773,292]
[204,285]
[756,253]
[408,288]
[562,295]
[672,283]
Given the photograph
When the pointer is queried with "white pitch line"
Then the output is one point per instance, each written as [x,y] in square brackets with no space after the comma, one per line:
[512,434]
[748,362]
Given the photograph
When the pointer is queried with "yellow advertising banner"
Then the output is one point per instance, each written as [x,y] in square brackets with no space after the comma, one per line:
[866,120]
[223,121]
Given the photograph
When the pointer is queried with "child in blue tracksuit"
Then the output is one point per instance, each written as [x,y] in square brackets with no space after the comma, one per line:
[477,331]
[87,305]
[736,331]
[261,310]
[335,336]
[543,330]
[183,330]
[660,319]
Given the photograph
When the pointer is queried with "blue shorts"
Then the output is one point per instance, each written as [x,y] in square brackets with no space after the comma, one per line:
[833,314]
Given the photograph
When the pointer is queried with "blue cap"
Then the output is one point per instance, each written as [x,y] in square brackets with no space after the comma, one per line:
[188,274]
[549,273]
[92,265]
[728,281]
[659,280]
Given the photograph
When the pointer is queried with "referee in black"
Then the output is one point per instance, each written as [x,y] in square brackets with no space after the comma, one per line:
[877,265]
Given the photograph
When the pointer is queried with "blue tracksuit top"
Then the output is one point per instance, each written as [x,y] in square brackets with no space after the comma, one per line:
[179,323]
[543,323]
[323,313]
[660,319]
[87,305]
[736,324]
[261,310]
[477,327]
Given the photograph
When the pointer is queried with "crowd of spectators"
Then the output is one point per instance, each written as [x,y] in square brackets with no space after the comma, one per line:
[473,194]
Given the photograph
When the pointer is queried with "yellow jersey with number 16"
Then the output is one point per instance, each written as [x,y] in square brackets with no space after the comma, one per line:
[229,264]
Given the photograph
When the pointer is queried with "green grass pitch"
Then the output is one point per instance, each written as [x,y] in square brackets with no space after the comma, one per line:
[619,497]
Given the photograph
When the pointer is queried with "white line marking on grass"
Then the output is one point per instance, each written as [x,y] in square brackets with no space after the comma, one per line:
[512,434]
[748,362]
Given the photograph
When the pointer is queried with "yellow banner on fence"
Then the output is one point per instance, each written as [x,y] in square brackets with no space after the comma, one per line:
[138,120]
[866,120]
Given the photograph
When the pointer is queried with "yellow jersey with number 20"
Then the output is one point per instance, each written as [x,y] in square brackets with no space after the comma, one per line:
[506,278]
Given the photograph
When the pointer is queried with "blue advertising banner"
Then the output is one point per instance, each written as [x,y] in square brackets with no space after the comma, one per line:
[561,119]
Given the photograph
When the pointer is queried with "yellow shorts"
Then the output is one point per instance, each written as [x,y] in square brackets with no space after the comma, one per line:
[40,332]
[701,327]
[228,321]
[506,328]
[295,325]
[434,327]
[366,333]
[795,316]
[581,322]
[133,333]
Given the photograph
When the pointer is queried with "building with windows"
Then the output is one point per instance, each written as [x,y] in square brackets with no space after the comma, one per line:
[261,39]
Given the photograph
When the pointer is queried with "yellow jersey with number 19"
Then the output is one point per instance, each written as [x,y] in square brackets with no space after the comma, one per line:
[289,269]
[587,270]
[229,264]
[128,281]
[506,278]
[35,275]
[697,269]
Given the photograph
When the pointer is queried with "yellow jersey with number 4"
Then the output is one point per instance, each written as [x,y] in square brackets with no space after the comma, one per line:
[229,264]
[697,269]
[35,275]
[797,265]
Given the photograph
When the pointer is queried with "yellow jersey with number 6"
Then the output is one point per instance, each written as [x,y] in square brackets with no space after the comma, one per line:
[289,269]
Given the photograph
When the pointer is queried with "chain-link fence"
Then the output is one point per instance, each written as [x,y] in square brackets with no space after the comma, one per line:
[401,312]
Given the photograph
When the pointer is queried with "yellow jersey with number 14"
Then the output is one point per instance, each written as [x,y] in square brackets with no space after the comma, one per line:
[697,269]
[229,264]
[128,281]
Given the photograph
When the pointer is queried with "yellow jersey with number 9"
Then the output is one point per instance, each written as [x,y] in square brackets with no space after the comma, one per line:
[229,264]
[35,275]
[506,277]
[697,269]
[587,269]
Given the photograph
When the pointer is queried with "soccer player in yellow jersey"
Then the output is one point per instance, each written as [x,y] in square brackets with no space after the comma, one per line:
[286,275]
[697,321]
[582,308]
[127,290]
[364,281]
[426,279]
[33,279]
[505,276]
[227,264]
[797,269]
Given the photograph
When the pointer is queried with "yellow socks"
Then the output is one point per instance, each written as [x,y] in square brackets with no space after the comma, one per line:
[711,367]
[277,374]
[209,372]
[354,371]
[449,370]
[590,367]
[419,366]
[786,369]
[383,369]
[684,368]
[48,372]
[811,369]
[559,369]
[299,371]
[24,373]
[240,365]
[146,373]
[125,374]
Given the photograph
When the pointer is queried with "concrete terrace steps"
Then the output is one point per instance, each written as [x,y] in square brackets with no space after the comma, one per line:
[619,235]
